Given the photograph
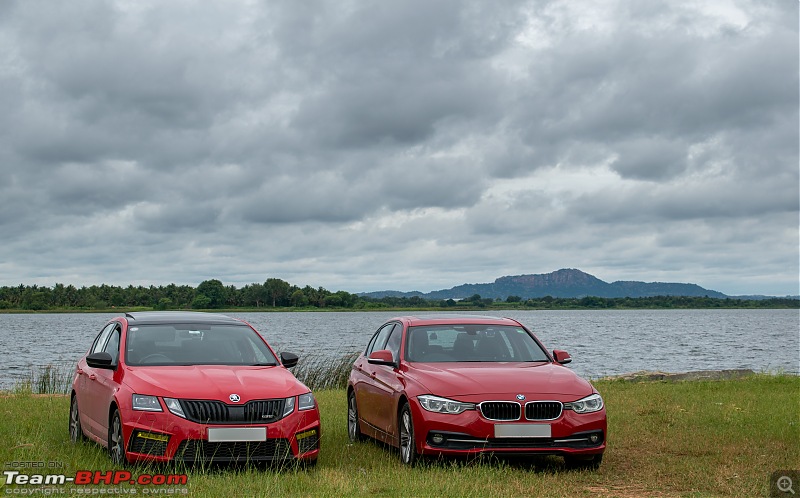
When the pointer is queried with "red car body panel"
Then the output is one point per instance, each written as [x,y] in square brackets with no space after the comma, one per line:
[380,391]
[98,391]
[461,379]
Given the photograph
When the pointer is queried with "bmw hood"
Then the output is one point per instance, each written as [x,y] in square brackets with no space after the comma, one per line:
[214,382]
[504,380]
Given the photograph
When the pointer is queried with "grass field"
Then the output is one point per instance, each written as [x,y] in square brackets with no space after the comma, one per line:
[699,438]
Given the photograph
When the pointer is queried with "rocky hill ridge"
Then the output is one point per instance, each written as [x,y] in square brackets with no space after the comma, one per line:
[567,282]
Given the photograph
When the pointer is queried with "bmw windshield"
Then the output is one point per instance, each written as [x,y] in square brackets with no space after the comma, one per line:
[196,344]
[472,342]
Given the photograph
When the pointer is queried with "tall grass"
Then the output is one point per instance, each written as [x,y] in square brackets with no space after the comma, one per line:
[317,371]
[48,379]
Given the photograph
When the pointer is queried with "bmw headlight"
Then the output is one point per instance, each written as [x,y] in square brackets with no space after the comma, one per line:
[145,403]
[443,405]
[588,404]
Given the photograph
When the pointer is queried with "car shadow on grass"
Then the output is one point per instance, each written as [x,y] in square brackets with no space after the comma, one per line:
[545,464]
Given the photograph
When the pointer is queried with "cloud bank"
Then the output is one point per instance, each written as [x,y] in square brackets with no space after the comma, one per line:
[399,145]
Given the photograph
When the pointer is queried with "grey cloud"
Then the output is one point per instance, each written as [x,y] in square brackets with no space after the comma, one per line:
[650,158]
[398,110]
[155,74]
[394,79]
[83,188]
[319,197]
[414,182]
[719,197]
[657,84]
[177,217]
[351,33]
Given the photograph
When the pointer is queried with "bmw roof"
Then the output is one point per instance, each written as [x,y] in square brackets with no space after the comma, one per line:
[457,319]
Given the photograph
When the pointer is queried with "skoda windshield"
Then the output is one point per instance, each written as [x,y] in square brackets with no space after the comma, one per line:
[196,344]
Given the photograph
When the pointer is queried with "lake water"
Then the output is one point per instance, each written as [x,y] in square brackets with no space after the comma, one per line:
[600,342]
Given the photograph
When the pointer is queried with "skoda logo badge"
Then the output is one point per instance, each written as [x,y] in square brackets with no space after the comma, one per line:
[521,397]
[234,398]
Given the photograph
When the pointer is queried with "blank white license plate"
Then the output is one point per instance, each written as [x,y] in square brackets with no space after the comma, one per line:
[522,430]
[230,434]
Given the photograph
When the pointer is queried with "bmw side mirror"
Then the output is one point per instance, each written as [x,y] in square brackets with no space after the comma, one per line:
[100,360]
[382,357]
[561,356]
[289,359]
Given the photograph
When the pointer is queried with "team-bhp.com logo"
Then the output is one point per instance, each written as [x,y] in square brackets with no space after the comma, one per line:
[89,477]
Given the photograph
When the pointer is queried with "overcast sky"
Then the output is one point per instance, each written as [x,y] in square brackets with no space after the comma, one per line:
[406,145]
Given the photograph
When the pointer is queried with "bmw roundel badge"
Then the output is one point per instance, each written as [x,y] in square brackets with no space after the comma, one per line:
[521,397]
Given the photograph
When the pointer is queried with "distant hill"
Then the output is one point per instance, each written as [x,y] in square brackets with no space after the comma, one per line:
[561,283]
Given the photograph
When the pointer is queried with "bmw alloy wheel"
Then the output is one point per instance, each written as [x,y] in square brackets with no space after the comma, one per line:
[408,452]
[353,431]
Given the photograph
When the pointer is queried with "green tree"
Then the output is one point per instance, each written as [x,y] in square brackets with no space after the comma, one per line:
[255,295]
[214,291]
[34,299]
[417,301]
[201,302]
[299,299]
[346,299]
[164,303]
[475,298]
[333,301]
[278,291]
[316,297]
[233,298]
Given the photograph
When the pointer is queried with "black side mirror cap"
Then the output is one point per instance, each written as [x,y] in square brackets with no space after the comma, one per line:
[289,359]
[100,360]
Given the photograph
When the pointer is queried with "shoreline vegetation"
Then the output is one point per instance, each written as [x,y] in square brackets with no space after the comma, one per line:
[316,371]
[277,295]
[320,372]
[653,450]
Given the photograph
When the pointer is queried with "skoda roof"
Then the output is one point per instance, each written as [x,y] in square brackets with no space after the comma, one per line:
[145,317]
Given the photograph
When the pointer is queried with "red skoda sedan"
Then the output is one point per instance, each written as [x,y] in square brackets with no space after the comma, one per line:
[166,386]
[449,385]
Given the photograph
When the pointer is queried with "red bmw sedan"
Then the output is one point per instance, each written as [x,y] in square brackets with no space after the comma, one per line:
[461,385]
[163,386]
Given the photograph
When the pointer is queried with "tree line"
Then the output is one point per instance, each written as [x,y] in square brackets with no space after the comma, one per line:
[210,294]
[277,293]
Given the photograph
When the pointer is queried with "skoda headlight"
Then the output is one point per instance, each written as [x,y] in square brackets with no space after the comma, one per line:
[305,401]
[174,406]
[443,405]
[146,403]
[288,407]
[588,404]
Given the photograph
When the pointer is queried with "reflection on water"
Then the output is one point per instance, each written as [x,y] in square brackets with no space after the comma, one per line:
[600,342]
